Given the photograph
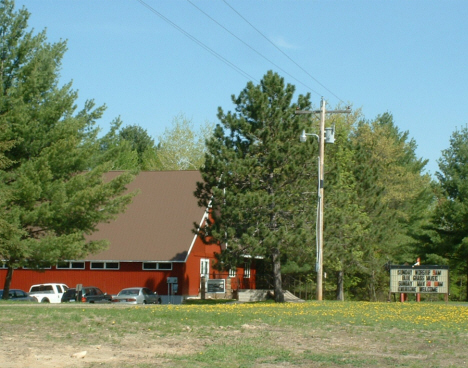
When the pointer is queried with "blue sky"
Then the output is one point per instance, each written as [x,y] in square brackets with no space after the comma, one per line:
[408,58]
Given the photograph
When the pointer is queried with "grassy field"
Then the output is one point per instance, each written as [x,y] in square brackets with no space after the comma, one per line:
[311,334]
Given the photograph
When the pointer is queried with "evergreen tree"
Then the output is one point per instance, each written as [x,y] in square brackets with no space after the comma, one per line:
[395,193]
[141,143]
[346,221]
[451,215]
[55,192]
[255,175]
[112,145]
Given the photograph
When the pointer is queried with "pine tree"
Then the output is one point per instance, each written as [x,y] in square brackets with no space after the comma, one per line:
[346,222]
[133,146]
[395,193]
[141,143]
[55,192]
[451,215]
[255,175]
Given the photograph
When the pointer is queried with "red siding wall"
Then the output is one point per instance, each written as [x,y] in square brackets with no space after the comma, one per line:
[199,251]
[132,274]
[110,281]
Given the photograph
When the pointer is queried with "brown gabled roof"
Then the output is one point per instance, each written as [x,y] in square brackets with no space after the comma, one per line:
[158,224]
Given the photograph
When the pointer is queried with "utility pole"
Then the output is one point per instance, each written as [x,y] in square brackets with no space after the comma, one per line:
[322,139]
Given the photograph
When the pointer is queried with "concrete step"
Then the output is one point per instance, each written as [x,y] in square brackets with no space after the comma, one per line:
[249,295]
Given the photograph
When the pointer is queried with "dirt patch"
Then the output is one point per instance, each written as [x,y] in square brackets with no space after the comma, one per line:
[35,351]
[21,350]
[180,344]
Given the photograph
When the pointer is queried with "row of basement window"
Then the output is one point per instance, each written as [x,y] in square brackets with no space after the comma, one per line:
[147,266]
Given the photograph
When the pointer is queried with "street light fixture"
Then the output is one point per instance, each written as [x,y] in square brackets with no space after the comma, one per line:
[304,135]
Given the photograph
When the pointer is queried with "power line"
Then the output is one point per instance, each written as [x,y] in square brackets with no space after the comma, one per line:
[226,61]
[198,42]
[266,38]
[253,49]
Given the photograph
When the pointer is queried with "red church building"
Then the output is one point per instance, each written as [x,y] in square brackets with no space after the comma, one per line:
[152,244]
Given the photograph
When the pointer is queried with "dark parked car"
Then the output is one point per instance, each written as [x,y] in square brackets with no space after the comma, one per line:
[19,295]
[89,294]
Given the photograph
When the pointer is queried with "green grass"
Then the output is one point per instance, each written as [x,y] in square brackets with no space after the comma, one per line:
[207,301]
[312,334]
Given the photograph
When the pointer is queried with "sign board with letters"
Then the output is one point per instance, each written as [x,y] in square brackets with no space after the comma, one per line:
[172,280]
[419,279]
[216,285]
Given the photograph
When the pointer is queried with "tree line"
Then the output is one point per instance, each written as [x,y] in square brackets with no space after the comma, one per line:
[260,181]
[53,156]
[381,207]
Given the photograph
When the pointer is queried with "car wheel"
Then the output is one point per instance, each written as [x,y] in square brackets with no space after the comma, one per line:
[159,301]
[45,300]
[145,302]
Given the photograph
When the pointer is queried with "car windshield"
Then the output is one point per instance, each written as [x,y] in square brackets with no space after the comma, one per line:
[129,292]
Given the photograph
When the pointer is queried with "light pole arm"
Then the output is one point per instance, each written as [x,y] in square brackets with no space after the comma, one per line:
[304,135]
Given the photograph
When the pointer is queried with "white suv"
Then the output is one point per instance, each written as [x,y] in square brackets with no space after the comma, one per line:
[48,293]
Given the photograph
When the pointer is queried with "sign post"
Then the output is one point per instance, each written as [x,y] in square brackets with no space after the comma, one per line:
[172,287]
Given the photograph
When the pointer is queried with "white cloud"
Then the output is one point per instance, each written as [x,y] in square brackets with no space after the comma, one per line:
[281,42]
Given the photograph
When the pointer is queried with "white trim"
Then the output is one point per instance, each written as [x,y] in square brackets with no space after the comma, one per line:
[246,270]
[133,261]
[70,264]
[157,266]
[205,216]
[205,271]
[256,257]
[105,266]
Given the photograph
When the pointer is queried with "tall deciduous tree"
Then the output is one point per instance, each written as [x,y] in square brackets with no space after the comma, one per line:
[54,183]
[182,147]
[451,216]
[255,174]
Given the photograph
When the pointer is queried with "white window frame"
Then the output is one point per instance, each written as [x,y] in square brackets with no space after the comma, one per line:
[105,266]
[42,268]
[165,263]
[205,268]
[246,270]
[232,272]
[157,266]
[70,265]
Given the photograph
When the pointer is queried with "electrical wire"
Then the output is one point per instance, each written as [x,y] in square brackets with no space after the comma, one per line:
[286,55]
[253,49]
[198,42]
[226,61]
